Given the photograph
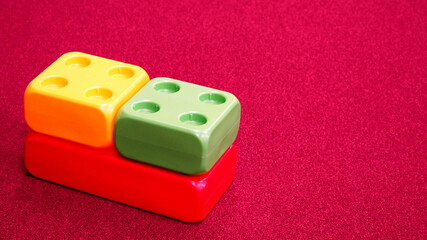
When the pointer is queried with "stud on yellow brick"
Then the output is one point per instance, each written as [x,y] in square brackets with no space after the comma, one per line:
[77,97]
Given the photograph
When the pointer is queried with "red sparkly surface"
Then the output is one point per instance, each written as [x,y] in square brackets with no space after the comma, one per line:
[332,142]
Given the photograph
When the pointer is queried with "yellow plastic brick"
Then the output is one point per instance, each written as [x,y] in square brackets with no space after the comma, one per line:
[78,96]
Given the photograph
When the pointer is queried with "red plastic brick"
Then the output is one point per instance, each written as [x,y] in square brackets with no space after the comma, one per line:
[105,173]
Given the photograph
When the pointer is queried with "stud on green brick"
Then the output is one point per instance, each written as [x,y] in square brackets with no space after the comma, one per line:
[177,125]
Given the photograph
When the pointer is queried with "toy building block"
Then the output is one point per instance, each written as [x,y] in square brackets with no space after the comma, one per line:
[103,172]
[79,95]
[177,125]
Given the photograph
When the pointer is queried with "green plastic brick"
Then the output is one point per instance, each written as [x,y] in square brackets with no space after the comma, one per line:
[177,125]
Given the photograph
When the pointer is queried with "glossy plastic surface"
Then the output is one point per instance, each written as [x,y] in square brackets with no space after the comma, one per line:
[78,96]
[103,172]
[177,125]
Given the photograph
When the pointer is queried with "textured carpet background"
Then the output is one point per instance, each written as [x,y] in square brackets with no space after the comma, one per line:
[332,141]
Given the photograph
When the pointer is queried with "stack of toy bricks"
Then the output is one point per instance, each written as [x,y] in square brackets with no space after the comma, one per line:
[102,127]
